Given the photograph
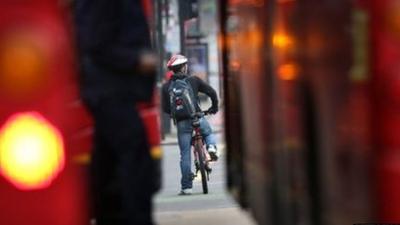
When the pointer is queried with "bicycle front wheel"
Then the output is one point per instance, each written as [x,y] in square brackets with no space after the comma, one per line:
[202,165]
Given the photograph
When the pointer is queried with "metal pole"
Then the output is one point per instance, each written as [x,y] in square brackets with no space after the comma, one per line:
[182,18]
[160,38]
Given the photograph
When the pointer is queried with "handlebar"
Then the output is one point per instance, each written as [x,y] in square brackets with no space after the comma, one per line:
[200,114]
[196,118]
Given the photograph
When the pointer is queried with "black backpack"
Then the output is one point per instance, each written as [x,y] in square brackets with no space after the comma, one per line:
[182,100]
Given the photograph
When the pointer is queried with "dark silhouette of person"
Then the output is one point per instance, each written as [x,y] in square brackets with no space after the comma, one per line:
[117,70]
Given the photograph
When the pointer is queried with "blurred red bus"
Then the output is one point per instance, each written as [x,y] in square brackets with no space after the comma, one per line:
[45,133]
[312,109]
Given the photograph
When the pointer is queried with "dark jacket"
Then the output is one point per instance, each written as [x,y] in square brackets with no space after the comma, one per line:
[111,36]
[197,84]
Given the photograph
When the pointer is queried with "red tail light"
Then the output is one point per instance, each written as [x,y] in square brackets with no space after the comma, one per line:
[31,151]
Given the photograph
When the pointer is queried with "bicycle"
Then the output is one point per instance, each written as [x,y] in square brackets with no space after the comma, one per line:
[201,156]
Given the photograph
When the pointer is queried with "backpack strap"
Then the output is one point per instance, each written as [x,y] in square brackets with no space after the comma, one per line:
[195,102]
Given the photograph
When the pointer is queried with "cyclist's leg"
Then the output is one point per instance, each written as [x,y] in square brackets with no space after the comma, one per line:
[207,133]
[209,138]
[184,140]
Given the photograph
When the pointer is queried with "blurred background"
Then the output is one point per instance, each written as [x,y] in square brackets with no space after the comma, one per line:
[308,128]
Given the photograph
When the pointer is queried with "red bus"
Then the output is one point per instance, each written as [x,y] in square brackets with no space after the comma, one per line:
[45,133]
[312,109]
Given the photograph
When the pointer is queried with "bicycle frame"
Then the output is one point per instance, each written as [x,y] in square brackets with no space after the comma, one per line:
[197,139]
[201,157]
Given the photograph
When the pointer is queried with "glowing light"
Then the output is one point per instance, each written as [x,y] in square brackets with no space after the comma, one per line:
[281,40]
[156,152]
[31,151]
[23,64]
[288,71]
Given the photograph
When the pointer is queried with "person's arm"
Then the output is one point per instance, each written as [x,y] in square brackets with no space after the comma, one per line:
[165,99]
[205,88]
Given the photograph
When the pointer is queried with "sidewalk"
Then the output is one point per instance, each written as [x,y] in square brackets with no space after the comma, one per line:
[215,208]
[223,216]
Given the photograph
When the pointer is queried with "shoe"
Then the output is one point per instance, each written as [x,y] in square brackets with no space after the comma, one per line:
[212,150]
[187,191]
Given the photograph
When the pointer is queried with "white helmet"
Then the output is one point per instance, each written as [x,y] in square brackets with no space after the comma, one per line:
[176,60]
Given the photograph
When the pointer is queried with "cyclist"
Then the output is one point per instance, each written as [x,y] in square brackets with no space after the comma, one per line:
[178,65]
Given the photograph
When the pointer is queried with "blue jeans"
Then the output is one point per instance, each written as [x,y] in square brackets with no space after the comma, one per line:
[185,131]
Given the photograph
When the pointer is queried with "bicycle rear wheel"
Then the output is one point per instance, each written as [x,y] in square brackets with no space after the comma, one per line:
[202,165]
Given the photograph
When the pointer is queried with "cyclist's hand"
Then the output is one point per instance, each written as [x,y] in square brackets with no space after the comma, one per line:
[212,110]
[148,63]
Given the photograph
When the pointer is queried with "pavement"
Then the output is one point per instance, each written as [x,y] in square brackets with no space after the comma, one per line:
[216,208]
[225,216]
